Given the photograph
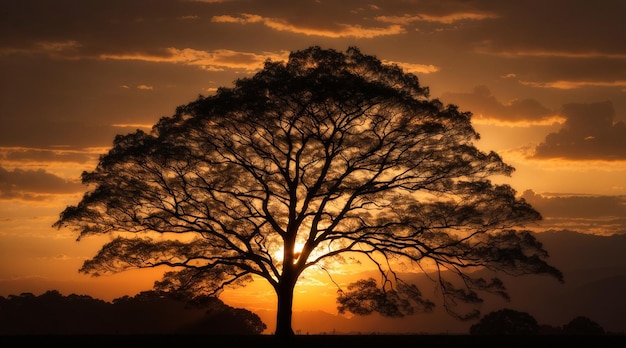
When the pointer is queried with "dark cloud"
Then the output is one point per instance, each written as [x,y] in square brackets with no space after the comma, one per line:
[30,184]
[91,26]
[595,214]
[557,44]
[30,155]
[140,24]
[78,103]
[557,25]
[49,133]
[577,206]
[563,71]
[485,106]
[550,32]
[589,133]
[62,60]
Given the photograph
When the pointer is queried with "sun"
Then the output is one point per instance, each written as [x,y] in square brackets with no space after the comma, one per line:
[297,250]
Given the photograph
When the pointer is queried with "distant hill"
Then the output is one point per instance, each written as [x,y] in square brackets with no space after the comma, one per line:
[594,268]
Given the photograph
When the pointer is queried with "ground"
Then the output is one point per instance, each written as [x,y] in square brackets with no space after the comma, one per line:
[305,341]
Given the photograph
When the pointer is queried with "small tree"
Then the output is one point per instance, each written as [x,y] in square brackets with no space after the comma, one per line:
[582,326]
[327,155]
[506,322]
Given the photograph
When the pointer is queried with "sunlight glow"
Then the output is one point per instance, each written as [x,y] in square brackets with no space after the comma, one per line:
[279,253]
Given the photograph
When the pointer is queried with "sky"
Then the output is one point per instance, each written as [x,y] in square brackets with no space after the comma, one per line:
[544,79]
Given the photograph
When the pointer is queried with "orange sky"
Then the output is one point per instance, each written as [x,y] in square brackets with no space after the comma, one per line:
[546,81]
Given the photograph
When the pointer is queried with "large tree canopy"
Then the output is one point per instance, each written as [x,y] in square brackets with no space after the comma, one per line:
[325,155]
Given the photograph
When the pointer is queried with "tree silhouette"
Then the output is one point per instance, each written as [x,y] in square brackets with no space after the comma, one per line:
[326,156]
[148,312]
[506,322]
[582,326]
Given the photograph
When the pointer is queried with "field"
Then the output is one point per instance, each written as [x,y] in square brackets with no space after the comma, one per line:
[318,341]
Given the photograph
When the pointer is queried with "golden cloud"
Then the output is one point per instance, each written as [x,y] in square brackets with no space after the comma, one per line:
[492,120]
[217,60]
[414,68]
[132,125]
[58,46]
[444,19]
[555,54]
[52,48]
[244,19]
[563,84]
[344,30]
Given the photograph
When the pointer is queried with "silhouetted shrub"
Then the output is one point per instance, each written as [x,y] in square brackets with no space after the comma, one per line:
[148,312]
[506,322]
[582,326]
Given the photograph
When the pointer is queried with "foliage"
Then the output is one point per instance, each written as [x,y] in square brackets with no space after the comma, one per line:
[512,322]
[506,322]
[582,325]
[365,297]
[326,156]
[148,312]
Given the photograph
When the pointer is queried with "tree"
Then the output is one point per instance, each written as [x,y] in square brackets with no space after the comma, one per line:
[582,326]
[326,156]
[148,312]
[506,322]
[153,312]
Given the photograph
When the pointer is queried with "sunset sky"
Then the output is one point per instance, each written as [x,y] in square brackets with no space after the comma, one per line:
[545,80]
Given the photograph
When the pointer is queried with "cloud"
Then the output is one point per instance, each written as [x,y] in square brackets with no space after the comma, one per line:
[555,44]
[133,125]
[47,133]
[36,156]
[575,84]
[58,46]
[588,133]
[30,184]
[222,59]
[596,214]
[215,60]
[577,205]
[487,109]
[245,18]
[442,19]
[56,49]
[342,30]
[558,54]
[536,27]
[414,68]
[142,87]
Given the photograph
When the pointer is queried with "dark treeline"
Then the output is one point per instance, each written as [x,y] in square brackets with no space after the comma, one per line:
[512,322]
[148,312]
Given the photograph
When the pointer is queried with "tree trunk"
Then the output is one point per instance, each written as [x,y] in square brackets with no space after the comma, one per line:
[285,303]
